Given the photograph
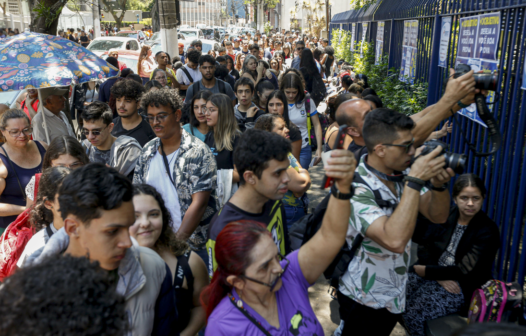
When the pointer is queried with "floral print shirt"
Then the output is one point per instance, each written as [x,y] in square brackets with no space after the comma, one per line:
[376,277]
[195,170]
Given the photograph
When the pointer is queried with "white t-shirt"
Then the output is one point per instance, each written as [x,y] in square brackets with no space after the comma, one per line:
[298,116]
[183,79]
[159,179]
[36,242]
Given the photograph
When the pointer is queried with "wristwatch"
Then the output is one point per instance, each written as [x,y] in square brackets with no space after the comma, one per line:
[461,104]
[414,183]
[442,188]
[336,193]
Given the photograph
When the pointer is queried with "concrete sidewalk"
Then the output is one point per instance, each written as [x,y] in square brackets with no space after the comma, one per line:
[324,307]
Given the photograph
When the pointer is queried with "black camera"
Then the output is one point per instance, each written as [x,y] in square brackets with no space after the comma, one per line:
[457,162]
[483,81]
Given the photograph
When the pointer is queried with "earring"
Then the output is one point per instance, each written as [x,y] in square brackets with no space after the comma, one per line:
[239,303]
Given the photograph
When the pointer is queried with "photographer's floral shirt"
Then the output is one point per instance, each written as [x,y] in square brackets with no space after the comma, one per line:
[195,170]
[376,277]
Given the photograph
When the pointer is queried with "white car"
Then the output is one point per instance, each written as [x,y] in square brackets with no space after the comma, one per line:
[191,34]
[101,44]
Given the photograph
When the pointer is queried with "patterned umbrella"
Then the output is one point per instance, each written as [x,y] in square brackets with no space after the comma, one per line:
[33,60]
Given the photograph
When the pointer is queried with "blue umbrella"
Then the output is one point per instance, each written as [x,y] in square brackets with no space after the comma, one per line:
[32,60]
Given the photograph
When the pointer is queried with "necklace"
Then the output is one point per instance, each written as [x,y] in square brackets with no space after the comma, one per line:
[174,154]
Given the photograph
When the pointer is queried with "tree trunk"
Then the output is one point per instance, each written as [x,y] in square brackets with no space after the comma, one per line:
[45,16]
[118,18]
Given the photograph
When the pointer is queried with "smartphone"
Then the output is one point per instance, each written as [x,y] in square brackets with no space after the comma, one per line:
[338,144]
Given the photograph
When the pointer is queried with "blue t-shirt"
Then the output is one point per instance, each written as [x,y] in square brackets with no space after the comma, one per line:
[195,132]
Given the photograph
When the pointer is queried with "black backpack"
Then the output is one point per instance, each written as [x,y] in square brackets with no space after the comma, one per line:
[319,91]
[307,226]
[187,109]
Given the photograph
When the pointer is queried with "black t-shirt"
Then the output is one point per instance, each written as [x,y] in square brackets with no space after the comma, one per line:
[294,133]
[142,133]
[357,150]
[234,73]
[224,158]
[273,216]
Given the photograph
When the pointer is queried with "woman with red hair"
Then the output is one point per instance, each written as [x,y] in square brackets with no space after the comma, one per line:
[257,291]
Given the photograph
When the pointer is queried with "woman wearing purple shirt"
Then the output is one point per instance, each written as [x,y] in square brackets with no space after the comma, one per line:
[256,291]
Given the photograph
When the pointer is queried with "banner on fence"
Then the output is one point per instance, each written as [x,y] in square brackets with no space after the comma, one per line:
[379,42]
[408,68]
[353,34]
[364,33]
[445,31]
[477,47]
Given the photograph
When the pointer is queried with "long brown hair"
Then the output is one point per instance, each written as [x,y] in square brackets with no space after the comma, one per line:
[226,128]
[143,55]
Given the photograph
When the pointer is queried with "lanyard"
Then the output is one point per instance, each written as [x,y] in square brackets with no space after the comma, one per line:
[247,314]
[166,165]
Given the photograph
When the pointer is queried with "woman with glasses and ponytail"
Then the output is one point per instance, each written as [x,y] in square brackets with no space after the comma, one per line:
[21,158]
[254,289]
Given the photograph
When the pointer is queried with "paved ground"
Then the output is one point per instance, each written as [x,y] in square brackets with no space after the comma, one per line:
[325,308]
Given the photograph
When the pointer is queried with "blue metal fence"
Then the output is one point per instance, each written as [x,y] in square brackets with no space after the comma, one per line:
[504,173]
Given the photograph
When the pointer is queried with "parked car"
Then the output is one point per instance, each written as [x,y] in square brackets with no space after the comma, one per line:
[192,34]
[138,34]
[128,57]
[207,45]
[156,38]
[9,98]
[101,44]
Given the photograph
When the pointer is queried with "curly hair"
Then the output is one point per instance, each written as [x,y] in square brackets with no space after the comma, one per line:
[162,97]
[62,296]
[47,189]
[167,239]
[266,122]
[129,89]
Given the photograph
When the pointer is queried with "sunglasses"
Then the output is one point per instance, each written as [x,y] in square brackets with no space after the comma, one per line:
[407,147]
[97,132]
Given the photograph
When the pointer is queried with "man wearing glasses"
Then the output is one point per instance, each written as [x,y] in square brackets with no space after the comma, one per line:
[57,122]
[120,153]
[244,49]
[383,261]
[300,45]
[181,167]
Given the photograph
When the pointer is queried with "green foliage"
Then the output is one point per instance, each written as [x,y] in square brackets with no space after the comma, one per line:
[358,4]
[143,5]
[146,22]
[395,94]
[50,14]
[268,27]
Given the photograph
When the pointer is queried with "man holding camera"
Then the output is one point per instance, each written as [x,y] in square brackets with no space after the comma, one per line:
[460,92]
[372,290]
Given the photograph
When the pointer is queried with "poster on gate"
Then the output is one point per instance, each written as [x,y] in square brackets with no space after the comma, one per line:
[379,48]
[409,51]
[364,33]
[353,34]
[445,32]
[477,47]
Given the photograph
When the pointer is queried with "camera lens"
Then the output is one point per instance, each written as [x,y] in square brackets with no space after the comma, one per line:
[457,162]
[486,81]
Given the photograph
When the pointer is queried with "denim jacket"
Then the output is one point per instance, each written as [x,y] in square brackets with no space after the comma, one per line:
[195,171]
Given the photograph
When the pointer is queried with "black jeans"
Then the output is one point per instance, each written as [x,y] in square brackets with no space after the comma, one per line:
[362,320]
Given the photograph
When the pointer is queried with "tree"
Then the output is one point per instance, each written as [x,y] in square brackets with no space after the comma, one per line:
[45,15]
[121,4]
[265,4]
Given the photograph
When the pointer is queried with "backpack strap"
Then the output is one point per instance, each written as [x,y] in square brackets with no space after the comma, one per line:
[377,196]
[221,86]
[182,271]
[37,183]
[190,78]
[49,231]
[307,110]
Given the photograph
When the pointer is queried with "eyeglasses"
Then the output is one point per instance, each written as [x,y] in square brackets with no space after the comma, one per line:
[207,111]
[96,132]
[273,283]
[406,146]
[160,117]
[300,48]
[16,133]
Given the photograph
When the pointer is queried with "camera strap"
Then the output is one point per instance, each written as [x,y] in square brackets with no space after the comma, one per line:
[493,128]
[398,177]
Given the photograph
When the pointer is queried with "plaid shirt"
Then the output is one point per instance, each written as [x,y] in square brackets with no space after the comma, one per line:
[195,171]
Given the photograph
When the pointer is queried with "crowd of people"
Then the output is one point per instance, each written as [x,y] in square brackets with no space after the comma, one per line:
[169,211]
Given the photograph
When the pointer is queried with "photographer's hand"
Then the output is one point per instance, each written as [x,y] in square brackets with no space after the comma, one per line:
[443,177]
[458,88]
[428,166]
